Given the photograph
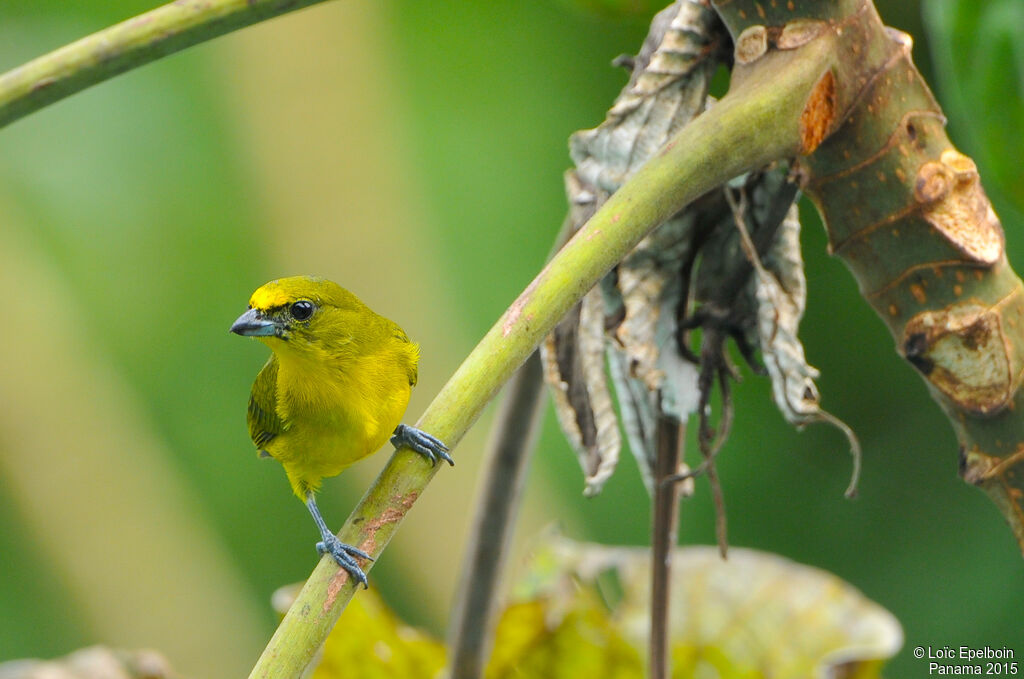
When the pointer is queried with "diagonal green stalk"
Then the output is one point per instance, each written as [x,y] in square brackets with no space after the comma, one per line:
[748,129]
[124,46]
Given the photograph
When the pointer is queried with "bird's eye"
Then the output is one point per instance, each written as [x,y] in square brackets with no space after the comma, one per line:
[302,310]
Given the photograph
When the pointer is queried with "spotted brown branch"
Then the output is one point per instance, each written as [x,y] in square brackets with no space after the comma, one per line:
[907,214]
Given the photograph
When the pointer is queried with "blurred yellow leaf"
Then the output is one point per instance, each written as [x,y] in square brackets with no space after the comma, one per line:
[754,616]
[370,642]
[530,642]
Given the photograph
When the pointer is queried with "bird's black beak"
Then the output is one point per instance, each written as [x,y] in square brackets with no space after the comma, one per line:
[253,324]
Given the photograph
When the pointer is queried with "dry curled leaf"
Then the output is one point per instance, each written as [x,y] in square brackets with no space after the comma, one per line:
[692,272]
[667,88]
[780,291]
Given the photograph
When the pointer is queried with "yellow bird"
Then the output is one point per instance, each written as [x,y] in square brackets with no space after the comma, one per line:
[333,391]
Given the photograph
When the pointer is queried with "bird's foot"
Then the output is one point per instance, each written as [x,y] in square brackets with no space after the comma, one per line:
[344,555]
[423,443]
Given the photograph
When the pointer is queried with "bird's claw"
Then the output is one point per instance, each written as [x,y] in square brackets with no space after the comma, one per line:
[423,443]
[344,555]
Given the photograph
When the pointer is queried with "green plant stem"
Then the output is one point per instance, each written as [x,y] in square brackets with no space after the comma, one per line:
[747,129]
[124,46]
[508,455]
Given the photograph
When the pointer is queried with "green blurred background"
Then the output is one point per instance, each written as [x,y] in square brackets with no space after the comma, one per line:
[413,152]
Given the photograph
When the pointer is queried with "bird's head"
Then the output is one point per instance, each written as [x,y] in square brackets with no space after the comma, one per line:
[301,313]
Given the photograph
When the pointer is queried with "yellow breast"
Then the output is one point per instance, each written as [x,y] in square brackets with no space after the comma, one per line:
[335,415]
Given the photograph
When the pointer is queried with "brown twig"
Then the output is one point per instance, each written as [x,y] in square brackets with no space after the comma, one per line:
[508,454]
[665,521]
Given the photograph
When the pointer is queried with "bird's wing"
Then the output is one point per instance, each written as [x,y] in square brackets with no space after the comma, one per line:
[414,355]
[264,424]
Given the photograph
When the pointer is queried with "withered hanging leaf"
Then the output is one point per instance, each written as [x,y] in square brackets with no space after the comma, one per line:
[574,367]
[781,294]
[698,253]
[572,356]
[781,297]
[651,379]
[667,88]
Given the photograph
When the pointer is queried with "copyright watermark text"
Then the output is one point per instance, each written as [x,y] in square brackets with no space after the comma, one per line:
[986,660]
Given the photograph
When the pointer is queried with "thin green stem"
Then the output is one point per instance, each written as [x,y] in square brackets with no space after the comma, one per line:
[749,128]
[508,455]
[124,46]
